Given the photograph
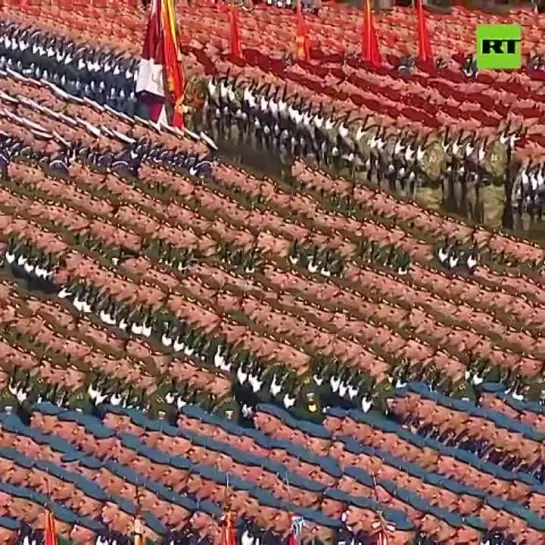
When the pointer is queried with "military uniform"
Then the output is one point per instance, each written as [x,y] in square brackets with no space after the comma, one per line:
[243,392]
[79,400]
[228,408]
[9,51]
[492,373]
[344,537]
[157,404]
[266,395]
[323,390]
[126,164]
[322,372]
[308,404]
[101,76]
[8,402]
[536,390]
[382,392]
[463,390]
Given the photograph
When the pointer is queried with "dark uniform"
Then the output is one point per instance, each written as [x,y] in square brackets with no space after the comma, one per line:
[4,163]
[271,376]
[102,76]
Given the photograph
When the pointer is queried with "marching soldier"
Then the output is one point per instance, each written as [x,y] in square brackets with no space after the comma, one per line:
[307,405]
[157,403]
[227,408]
[80,401]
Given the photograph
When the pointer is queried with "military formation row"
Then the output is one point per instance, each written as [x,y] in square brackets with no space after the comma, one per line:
[357,477]
[182,281]
[400,145]
[336,250]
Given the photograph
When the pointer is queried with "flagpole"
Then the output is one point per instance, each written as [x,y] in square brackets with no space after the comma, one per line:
[367,27]
[234,45]
[383,539]
[291,540]
[228,531]
[301,38]
[232,25]
[174,71]
[138,530]
[50,535]
[424,46]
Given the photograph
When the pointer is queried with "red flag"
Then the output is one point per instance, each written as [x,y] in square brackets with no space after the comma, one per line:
[150,86]
[383,526]
[50,535]
[160,76]
[370,51]
[292,539]
[424,46]
[297,524]
[174,74]
[302,50]
[228,537]
[236,49]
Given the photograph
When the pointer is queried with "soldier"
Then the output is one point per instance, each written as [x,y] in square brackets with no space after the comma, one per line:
[463,390]
[382,392]
[4,163]
[322,372]
[57,167]
[273,378]
[126,164]
[23,47]
[158,406]
[247,388]
[11,48]
[4,45]
[228,408]
[8,400]
[307,405]
[78,67]
[21,387]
